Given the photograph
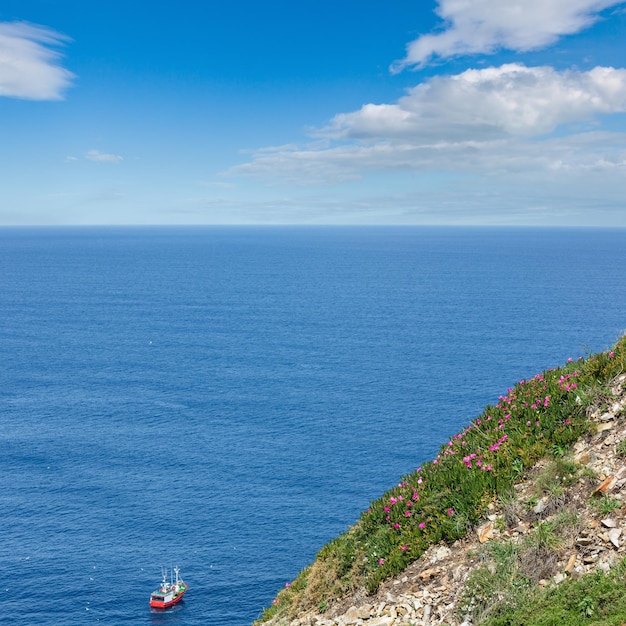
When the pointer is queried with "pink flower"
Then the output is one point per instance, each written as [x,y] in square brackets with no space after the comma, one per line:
[392,500]
[386,509]
[422,525]
[396,525]
[416,496]
[381,561]
[403,548]
[407,514]
[287,585]
[409,503]
[611,354]
[450,512]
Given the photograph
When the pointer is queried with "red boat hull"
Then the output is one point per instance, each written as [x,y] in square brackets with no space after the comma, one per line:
[157,604]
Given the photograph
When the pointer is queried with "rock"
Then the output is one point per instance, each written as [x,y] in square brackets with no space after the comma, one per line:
[383,620]
[458,572]
[540,506]
[583,458]
[522,528]
[485,532]
[428,574]
[351,616]
[609,523]
[605,487]
[614,535]
[442,553]
[569,568]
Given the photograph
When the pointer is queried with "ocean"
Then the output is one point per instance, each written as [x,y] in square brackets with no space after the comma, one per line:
[229,399]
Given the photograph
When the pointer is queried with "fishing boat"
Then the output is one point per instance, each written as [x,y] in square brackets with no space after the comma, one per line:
[170,592]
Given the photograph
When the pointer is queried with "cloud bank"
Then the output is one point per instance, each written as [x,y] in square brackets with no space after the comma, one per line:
[29,65]
[485,26]
[510,118]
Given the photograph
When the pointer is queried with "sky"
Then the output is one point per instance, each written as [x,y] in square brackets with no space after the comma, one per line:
[448,112]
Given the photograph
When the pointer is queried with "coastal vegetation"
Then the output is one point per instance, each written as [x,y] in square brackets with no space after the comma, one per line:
[445,498]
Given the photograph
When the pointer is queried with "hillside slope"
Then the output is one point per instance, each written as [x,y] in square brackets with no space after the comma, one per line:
[524,500]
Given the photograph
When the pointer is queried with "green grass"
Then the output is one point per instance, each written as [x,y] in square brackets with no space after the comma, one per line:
[446,497]
[596,599]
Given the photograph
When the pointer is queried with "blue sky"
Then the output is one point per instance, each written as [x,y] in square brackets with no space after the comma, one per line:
[507,112]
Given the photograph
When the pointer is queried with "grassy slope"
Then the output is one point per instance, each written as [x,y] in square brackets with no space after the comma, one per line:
[446,497]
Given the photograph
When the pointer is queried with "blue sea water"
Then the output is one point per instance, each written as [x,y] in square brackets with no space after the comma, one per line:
[230,399]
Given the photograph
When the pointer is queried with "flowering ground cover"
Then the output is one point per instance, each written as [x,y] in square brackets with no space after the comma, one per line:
[445,498]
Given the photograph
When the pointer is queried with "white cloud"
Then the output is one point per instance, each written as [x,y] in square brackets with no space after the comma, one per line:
[484,26]
[492,120]
[489,103]
[29,66]
[102,157]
